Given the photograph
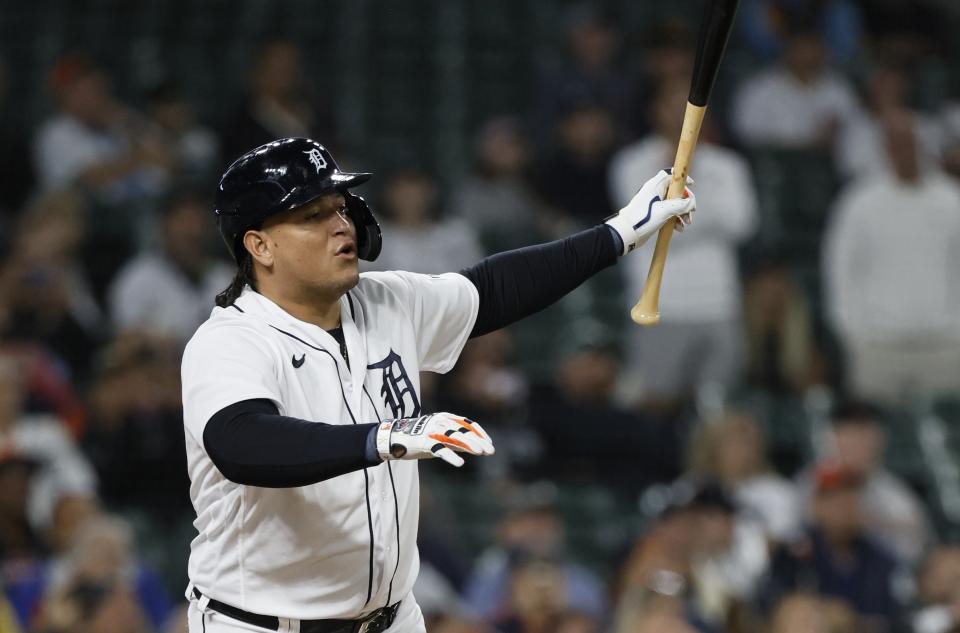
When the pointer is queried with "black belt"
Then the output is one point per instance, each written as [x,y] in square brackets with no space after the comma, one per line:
[378,621]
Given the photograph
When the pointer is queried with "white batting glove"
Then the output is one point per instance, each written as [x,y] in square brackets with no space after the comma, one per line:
[648,211]
[435,435]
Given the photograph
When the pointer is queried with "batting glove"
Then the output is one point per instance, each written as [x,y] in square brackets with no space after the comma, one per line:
[648,211]
[440,435]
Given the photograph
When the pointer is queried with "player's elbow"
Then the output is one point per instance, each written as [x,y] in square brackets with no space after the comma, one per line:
[229,468]
[217,442]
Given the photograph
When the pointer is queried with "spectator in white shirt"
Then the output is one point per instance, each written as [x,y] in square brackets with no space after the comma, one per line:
[891,256]
[699,338]
[42,440]
[799,103]
[732,450]
[418,241]
[861,149]
[193,146]
[170,292]
[94,140]
[497,199]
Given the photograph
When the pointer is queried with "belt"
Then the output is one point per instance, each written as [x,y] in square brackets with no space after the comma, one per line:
[378,621]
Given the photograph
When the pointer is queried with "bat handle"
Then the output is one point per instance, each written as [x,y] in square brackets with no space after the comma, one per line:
[647,309]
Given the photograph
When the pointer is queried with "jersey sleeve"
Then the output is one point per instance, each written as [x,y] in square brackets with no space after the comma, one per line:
[224,364]
[443,309]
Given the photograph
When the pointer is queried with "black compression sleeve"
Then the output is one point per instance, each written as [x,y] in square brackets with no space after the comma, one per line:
[517,283]
[252,444]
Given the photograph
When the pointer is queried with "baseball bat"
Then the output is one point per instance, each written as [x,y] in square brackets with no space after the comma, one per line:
[714,33]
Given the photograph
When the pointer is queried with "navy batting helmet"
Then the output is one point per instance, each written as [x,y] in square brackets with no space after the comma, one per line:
[282,176]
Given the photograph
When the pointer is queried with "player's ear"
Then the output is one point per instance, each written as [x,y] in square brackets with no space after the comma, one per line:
[258,245]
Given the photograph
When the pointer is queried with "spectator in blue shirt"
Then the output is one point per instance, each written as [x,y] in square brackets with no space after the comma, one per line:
[837,559]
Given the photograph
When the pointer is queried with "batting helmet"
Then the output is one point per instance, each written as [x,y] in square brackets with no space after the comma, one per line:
[281,176]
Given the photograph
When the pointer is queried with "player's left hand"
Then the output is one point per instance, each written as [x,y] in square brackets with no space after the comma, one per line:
[434,435]
[648,210]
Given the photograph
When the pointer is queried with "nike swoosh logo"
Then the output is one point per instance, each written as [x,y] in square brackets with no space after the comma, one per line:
[298,362]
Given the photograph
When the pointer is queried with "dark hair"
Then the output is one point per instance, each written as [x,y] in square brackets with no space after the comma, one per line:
[88,596]
[711,496]
[855,412]
[244,277]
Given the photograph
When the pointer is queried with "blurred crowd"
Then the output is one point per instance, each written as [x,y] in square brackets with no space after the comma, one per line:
[821,269]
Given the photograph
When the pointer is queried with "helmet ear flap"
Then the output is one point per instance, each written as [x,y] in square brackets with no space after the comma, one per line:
[369,237]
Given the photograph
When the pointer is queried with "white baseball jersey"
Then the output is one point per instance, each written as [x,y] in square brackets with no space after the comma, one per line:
[346,546]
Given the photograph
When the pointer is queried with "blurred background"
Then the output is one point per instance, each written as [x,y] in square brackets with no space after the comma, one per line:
[781,454]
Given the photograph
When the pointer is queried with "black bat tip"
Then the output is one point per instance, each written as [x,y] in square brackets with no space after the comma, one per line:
[714,32]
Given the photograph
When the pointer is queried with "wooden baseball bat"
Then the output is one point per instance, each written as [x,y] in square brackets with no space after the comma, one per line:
[714,33]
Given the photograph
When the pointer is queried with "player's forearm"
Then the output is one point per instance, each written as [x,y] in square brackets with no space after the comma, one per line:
[518,283]
[251,444]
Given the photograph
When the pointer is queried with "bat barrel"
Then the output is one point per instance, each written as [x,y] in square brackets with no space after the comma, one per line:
[714,34]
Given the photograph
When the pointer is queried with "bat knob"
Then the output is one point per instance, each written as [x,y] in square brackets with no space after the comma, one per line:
[644,317]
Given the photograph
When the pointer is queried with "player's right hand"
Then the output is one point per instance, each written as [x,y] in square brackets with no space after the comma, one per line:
[440,435]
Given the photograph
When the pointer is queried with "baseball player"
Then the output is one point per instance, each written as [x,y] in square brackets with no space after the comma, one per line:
[302,398]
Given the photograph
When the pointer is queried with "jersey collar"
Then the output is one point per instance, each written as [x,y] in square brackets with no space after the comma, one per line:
[253,303]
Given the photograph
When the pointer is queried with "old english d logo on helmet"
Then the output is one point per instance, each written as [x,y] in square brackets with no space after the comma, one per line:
[281,176]
[316,158]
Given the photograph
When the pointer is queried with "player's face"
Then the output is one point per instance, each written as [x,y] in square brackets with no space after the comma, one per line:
[314,248]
